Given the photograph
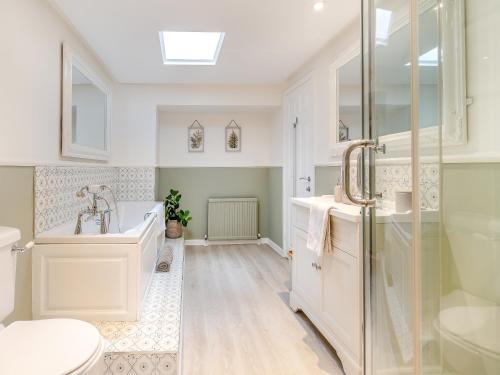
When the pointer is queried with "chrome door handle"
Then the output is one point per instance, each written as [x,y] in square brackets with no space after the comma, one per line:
[308,179]
[346,171]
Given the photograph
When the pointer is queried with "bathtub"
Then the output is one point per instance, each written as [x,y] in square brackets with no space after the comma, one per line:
[93,276]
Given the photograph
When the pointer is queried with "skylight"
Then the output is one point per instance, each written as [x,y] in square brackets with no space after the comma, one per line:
[383,19]
[190,48]
[430,58]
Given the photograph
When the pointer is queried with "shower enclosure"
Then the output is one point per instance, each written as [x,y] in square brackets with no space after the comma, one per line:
[431,95]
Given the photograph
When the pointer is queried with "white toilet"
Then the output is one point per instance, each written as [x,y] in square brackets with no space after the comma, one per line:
[469,321]
[470,334]
[42,347]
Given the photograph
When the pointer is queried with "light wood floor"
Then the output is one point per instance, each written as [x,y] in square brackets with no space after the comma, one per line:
[237,319]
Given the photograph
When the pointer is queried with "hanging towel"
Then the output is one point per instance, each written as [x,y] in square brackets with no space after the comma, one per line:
[165,259]
[318,234]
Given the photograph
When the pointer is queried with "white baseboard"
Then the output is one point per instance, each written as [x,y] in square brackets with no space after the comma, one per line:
[262,241]
[273,245]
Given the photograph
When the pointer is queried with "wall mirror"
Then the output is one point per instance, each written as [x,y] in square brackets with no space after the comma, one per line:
[346,98]
[392,77]
[86,110]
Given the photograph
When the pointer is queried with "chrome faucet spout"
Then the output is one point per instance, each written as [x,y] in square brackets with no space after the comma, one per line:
[104,226]
[93,209]
[78,227]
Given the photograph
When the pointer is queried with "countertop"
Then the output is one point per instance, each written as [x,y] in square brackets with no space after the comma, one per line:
[384,215]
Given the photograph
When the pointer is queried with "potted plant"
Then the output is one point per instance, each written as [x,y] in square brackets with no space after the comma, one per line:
[175,218]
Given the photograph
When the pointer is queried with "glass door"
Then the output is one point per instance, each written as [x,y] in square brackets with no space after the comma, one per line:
[432,239]
[389,226]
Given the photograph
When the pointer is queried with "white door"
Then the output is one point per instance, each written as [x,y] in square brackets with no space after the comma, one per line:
[300,123]
[298,169]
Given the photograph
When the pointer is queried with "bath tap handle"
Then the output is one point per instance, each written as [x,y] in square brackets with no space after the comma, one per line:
[148,214]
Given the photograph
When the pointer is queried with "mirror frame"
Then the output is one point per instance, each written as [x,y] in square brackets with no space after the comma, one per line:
[336,147]
[453,80]
[68,147]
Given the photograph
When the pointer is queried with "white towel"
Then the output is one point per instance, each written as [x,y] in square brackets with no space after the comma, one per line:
[318,234]
[165,259]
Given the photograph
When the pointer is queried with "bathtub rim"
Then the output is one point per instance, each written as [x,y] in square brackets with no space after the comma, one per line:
[135,235]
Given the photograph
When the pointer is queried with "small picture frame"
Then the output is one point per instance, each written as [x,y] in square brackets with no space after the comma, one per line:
[196,137]
[233,137]
[343,132]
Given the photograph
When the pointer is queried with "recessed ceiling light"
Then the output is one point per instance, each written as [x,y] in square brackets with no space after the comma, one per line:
[319,5]
[190,48]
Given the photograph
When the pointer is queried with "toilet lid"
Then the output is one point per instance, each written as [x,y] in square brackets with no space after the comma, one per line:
[50,346]
[478,326]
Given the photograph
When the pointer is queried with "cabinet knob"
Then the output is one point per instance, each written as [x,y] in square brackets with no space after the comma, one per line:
[315,265]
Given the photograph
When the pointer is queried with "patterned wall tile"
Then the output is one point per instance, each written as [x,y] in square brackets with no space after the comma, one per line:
[397,177]
[136,184]
[55,190]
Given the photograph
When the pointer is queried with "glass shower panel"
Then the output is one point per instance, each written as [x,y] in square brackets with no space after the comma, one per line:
[434,258]
[460,331]
[390,349]
[429,177]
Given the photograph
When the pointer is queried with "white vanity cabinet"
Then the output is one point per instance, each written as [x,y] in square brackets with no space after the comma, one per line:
[331,294]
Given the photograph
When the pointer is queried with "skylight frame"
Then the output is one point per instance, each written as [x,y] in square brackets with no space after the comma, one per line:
[212,61]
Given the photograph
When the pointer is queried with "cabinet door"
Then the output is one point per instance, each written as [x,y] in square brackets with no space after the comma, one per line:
[306,280]
[341,297]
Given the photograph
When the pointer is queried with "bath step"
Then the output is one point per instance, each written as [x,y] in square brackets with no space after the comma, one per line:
[151,345]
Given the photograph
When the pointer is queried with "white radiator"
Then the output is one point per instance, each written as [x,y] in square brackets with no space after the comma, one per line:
[233,219]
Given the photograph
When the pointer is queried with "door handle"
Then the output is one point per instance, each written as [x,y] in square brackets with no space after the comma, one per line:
[346,170]
[308,179]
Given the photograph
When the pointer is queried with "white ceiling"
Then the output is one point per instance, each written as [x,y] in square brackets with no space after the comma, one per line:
[266,40]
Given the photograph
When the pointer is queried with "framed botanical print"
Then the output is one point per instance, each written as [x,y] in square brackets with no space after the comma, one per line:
[233,137]
[196,137]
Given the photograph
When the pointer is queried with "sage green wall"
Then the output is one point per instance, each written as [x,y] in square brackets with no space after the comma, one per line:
[276,205]
[326,179]
[199,184]
[16,202]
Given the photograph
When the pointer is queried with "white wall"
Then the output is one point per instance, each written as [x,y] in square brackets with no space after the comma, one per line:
[319,69]
[135,134]
[258,138]
[31,35]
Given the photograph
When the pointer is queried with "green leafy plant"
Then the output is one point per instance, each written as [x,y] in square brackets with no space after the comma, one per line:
[173,211]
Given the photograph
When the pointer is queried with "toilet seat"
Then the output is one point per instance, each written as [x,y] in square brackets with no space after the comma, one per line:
[475,328]
[50,346]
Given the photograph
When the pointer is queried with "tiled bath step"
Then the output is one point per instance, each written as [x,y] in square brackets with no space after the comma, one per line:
[151,345]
